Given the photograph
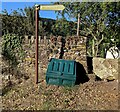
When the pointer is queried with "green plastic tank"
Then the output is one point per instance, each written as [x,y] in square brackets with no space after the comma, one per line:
[61,72]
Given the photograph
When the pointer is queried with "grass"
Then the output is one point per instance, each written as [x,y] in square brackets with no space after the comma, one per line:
[5,90]
[47,105]
[48,92]
[67,89]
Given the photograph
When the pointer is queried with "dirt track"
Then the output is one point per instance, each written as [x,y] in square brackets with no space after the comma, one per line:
[92,95]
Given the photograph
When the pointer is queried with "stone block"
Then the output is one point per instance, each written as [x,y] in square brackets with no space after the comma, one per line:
[105,68]
[26,39]
[32,39]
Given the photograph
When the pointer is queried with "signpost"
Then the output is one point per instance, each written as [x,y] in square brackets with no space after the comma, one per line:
[37,8]
[52,7]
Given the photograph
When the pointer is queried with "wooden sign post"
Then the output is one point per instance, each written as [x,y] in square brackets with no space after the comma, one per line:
[37,8]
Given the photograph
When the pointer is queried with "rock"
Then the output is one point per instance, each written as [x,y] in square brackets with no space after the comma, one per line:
[32,39]
[105,68]
[110,78]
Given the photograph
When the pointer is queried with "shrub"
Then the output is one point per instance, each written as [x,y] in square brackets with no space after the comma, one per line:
[12,50]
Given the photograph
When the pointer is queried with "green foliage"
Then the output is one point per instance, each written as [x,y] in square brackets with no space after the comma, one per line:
[12,48]
[63,27]
[13,23]
[29,12]
[22,22]
[99,21]
[19,21]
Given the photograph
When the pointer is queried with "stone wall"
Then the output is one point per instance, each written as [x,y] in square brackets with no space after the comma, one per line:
[69,48]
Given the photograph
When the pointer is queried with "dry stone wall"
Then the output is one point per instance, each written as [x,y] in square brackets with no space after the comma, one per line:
[69,48]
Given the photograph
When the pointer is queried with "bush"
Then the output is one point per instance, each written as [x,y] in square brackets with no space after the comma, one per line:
[12,50]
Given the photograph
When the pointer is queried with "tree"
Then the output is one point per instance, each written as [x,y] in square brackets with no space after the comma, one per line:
[22,22]
[13,23]
[96,22]
[30,21]
[63,27]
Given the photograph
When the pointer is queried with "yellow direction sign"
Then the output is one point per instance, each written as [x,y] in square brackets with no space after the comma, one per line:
[52,7]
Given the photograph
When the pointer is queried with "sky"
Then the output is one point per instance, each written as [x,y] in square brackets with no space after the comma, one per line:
[9,6]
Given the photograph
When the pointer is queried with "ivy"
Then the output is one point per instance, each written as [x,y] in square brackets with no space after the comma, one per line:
[12,49]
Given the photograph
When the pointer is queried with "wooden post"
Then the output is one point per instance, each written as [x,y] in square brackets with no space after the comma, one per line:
[36,33]
[42,7]
[78,25]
